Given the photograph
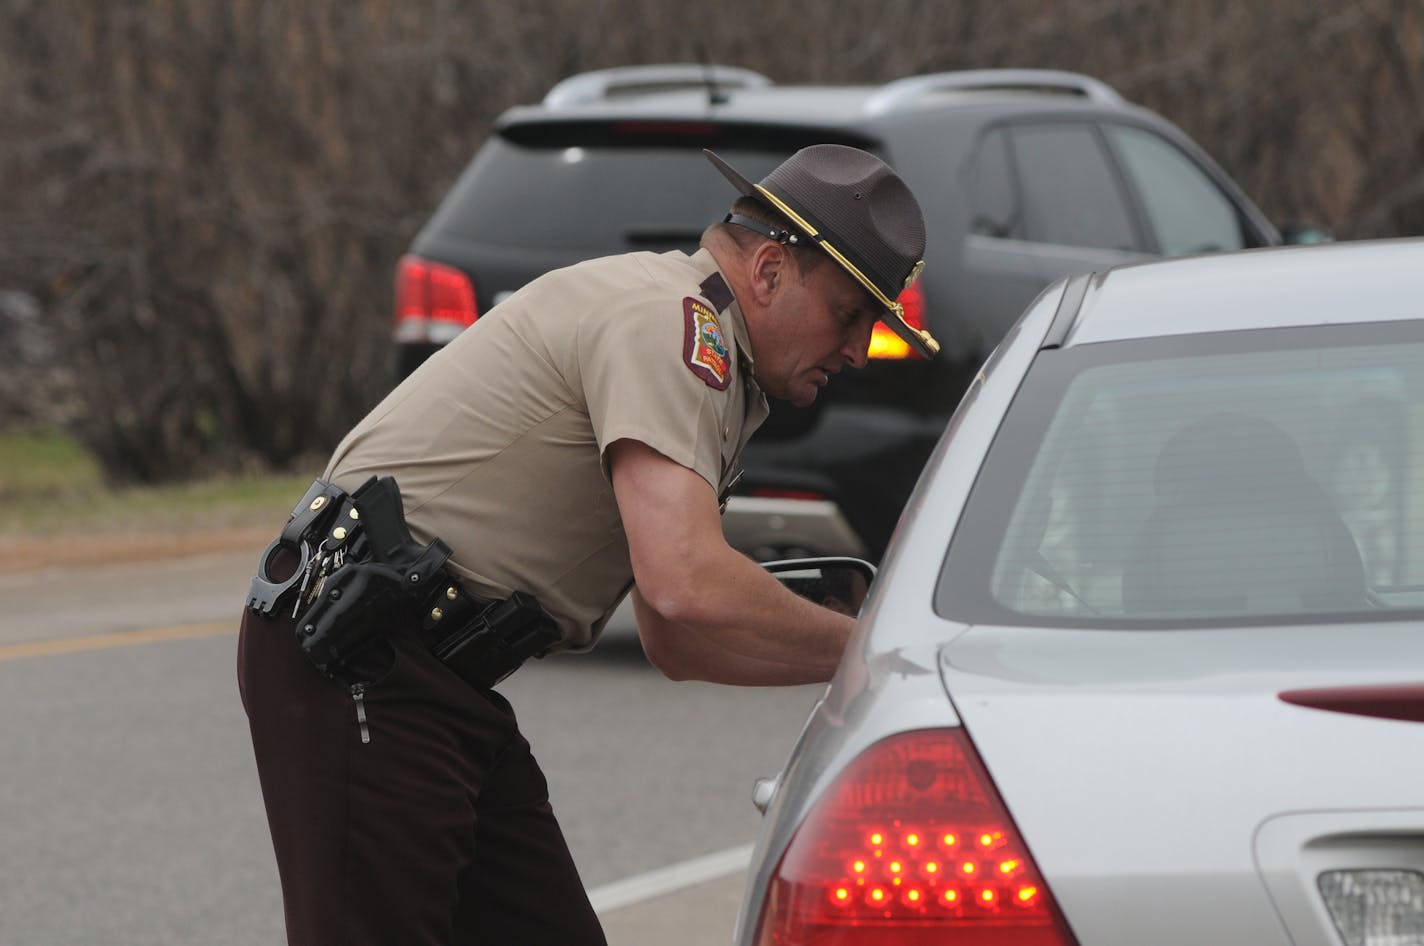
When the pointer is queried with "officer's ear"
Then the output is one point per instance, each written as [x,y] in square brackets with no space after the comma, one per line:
[771,265]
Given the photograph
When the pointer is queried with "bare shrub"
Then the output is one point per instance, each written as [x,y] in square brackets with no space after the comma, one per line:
[208,198]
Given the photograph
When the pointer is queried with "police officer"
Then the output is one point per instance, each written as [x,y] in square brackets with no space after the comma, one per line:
[573,441]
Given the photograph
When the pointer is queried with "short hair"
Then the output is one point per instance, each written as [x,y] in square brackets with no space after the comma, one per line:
[808,257]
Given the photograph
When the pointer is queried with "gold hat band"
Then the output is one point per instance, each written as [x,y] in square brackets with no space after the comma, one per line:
[898,310]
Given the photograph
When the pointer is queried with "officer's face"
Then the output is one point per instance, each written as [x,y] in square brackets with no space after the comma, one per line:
[820,322]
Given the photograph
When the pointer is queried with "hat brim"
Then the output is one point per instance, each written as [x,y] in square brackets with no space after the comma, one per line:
[890,312]
[746,187]
[922,342]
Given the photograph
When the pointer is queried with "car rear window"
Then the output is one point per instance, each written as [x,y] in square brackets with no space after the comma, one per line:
[609,187]
[1248,477]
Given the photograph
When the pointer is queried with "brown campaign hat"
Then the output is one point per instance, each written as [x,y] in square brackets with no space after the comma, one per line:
[853,206]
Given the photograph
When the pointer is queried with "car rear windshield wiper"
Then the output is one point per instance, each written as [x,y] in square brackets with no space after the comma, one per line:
[1040,565]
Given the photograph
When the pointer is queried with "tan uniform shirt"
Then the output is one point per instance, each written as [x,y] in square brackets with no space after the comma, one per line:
[498,442]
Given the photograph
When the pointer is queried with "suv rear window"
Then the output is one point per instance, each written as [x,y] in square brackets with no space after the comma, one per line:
[1262,477]
[608,187]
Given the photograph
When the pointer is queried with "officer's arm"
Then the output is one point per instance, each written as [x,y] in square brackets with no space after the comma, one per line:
[745,627]
[681,653]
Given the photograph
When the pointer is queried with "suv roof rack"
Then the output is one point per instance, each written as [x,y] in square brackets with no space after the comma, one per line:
[894,96]
[587,88]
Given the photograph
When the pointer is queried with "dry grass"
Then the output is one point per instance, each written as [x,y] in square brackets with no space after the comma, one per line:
[55,510]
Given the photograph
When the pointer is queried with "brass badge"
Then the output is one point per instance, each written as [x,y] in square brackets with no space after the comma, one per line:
[914,274]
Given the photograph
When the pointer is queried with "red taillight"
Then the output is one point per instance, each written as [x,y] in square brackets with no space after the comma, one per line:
[884,343]
[910,846]
[434,302]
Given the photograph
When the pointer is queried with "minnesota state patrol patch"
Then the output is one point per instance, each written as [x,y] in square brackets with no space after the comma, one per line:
[703,347]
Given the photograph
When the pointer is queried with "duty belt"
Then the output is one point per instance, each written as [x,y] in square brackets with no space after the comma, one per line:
[360,575]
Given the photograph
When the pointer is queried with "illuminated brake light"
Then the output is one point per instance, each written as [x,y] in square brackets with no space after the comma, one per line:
[884,343]
[434,302]
[868,866]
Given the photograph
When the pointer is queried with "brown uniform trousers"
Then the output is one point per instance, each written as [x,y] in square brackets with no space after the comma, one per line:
[405,806]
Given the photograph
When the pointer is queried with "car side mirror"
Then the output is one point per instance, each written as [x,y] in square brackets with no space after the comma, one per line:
[1301,234]
[836,583]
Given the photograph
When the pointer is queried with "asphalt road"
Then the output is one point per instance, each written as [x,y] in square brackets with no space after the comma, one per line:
[129,805]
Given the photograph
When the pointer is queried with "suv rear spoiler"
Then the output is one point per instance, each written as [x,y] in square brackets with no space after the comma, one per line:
[589,87]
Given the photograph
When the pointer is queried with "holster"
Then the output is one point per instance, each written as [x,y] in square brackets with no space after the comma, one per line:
[361,575]
[496,641]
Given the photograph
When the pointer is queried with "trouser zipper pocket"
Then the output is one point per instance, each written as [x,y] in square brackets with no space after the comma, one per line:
[358,696]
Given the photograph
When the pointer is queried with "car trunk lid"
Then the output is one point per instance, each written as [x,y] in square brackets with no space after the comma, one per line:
[1146,769]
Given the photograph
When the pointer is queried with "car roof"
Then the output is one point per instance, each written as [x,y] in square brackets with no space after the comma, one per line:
[1277,287]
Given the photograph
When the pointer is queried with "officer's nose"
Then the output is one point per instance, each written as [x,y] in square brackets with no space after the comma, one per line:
[857,347]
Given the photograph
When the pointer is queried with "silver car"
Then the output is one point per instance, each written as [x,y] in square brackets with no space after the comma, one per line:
[1145,662]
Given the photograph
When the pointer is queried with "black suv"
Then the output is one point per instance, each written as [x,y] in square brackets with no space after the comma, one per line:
[1024,176]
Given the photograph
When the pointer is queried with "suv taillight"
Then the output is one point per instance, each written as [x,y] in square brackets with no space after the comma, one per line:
[911,845]
[434,302]
[885,343]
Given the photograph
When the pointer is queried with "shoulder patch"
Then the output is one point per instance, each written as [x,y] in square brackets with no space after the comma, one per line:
[703,348]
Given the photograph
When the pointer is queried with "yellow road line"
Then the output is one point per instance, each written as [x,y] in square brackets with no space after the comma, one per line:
[153,635]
